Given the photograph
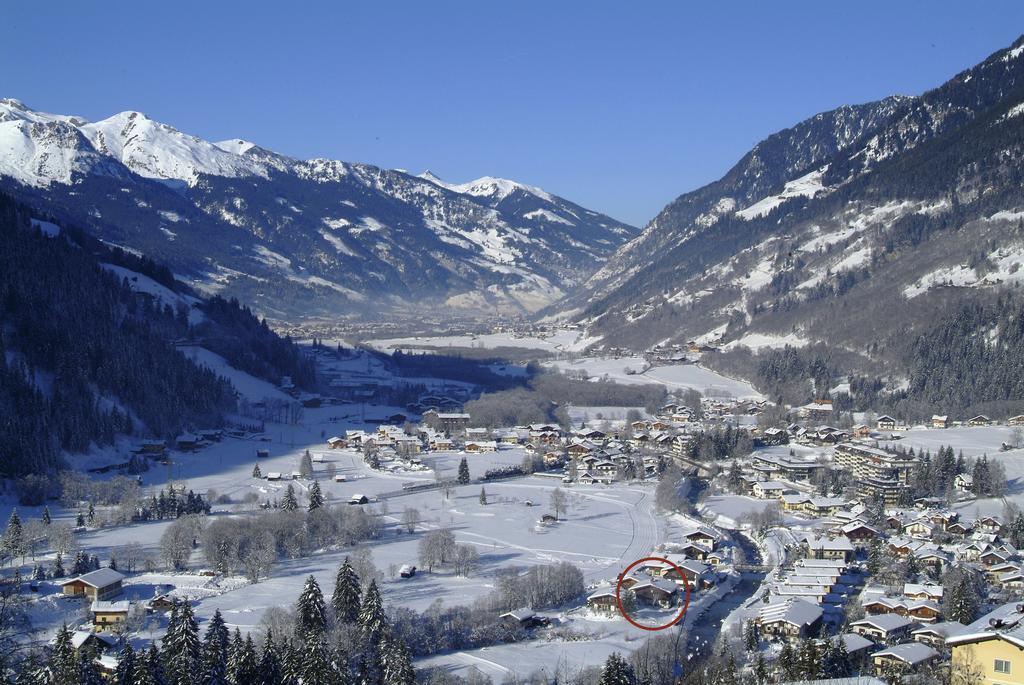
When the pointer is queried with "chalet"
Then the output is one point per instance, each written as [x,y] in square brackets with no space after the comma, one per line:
[508,437]
[603,600]
[481,446]
[595,478]
[829,548]
[907,656]
[990,524]
[153,447]
[440,443]
[933,558]
[579,449]
[705,537]
[885,423]
[450,423]
[861,430]
[340,478]
[859,534]
[655,591]
[936,634]
[979,420]
[92,640]
[817,410]
[1017,420]
[523,618]
[336,443]
[923,591]
[940,421]
[1011,580]
[161,603]
[790,619]
[857,647]
[100,584]
[212,434]
[964,482]
[920,528]
[769,489]
[358,499]
[883,628]
[187,441]
[923,610]
[407,571]
[824,506]
[108,615]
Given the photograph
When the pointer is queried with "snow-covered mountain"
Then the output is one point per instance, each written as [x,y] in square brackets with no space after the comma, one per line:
[851,228]
[305,237]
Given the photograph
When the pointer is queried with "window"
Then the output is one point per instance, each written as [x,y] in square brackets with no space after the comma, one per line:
[1002,666]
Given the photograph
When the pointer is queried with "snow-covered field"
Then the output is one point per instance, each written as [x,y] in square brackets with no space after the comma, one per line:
[673,377]
[556,342]
[604,529]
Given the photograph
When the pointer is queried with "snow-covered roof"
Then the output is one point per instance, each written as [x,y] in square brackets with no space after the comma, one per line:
[884,622]
[99,578]
[80,636]
[110,607]
[923,588]
[794,611]
[909,652]
[520,615]
[944,629]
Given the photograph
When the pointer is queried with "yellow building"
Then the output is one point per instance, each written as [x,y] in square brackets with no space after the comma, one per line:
[109,615]
[987,658]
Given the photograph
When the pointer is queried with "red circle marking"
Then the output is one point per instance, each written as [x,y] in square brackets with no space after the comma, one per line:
[618,598]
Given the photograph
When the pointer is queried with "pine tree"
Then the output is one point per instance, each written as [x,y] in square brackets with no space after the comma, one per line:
[88,674]
[315,666]
[46,516]
[182,648]
[310,611]
[270,663]
[963,601]
[810,664]
[235,654]
[256,473]
[463,477]
[761,674]
[92,513]
[788,664]
[124,674]
[306,465]
[63,664]
[215,651]
[291,663]
[396,668]
[147,669]
[14,536]
[58,566]
[483,496]
[750,636]
[316,498]
[247,670]
[346,600]
[617,671]
[373,623]
[288,502]
[80,520]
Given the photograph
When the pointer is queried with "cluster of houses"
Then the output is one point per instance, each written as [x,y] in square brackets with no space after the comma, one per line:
[661,582]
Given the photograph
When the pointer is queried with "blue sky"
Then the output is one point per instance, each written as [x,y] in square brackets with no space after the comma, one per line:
[617,106]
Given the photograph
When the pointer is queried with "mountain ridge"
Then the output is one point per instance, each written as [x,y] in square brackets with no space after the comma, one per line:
[303,237]
[914,196]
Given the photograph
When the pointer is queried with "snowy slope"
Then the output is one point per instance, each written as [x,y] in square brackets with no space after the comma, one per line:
[349,236]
